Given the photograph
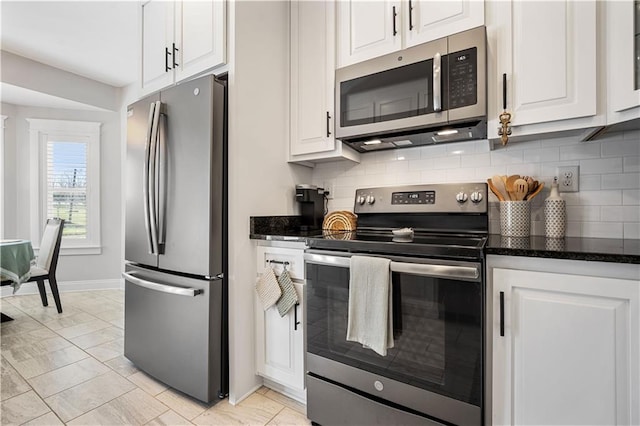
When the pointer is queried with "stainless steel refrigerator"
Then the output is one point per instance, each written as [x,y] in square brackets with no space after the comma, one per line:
[176,237]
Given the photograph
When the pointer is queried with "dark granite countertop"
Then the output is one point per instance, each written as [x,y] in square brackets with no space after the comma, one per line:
[288,228]
[279,228]
[573,248]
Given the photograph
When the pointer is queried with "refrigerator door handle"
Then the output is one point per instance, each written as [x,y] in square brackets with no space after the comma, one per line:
[164,288]
[153,179]
[161,188]
[145,177]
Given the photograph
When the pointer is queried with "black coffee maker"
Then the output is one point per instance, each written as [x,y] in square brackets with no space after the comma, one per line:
[311,199]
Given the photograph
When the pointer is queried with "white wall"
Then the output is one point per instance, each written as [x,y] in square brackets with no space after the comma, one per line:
[607,205]
[260,182]
[104,266]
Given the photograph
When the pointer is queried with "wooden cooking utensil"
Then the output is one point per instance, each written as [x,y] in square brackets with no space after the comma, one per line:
[510,185]
[498,184]
[535,191]
[495,190]
[520,189]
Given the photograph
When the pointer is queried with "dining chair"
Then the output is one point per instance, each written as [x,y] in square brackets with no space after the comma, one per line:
[47,261]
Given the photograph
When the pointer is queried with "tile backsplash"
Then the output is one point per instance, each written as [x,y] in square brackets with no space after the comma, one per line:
[607,205]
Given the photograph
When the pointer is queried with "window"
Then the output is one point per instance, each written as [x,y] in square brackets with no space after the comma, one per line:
[65,181]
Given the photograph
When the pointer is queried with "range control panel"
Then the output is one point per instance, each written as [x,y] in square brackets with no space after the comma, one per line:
[435,198]
[414,197]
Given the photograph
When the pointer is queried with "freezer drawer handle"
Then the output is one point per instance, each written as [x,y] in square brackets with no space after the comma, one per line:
[161,287]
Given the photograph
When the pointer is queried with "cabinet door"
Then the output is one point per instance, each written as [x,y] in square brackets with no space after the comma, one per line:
[569,354]
[623,59]
[157,35]
[367,29]
[548,51]
[200,36]
[280,343]
[312,77]
[429,20]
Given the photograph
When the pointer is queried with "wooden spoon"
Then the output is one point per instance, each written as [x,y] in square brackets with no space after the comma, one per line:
[535,191]
[521,188]
[498,184]
[510,185]
[495,190]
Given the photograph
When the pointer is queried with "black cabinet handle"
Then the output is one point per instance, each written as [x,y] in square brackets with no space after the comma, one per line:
[410,15]
[504,91]
[166,59]
[328,125]
[502,313]
[394,21]
[175,49]
[295,316]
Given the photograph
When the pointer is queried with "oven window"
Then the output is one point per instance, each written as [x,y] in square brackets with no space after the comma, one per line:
[437,327]
[401,92]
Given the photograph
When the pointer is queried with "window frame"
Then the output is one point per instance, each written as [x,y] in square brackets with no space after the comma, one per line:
[42,131]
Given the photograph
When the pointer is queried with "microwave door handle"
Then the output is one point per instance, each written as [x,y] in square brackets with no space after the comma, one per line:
[437,84]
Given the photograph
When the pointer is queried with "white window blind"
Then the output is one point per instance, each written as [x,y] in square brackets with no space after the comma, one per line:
[67,186]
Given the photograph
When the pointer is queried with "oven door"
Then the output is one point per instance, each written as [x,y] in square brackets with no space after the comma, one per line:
[436,365]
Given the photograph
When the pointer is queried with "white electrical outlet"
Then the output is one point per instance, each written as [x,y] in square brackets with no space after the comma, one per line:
[328,186]
[568,178]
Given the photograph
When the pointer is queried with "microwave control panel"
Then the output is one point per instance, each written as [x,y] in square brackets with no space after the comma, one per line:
[463,78]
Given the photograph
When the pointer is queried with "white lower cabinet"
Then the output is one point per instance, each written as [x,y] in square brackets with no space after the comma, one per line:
[565,348]
[280,341]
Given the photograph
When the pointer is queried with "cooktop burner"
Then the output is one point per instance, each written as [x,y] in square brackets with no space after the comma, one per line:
[449,221]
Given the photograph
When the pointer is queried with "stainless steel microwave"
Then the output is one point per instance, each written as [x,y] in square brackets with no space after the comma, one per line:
[431,93]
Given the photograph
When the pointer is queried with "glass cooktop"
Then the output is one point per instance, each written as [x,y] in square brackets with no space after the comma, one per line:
[468,246]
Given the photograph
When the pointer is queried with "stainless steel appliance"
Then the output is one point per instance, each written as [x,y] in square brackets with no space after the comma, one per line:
[176,237]
[434,373]
[311,200]
[431,93]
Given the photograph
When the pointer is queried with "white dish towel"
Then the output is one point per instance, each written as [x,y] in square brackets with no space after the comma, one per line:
[370,306]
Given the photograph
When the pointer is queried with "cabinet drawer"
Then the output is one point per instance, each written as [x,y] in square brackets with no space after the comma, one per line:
[295,257]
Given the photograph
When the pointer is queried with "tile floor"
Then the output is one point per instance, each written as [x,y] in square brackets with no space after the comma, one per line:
[69,368]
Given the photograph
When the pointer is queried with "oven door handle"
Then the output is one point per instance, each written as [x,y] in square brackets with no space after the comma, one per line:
[449,271]
[422,269]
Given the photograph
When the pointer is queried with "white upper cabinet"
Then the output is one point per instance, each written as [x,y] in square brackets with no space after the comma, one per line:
[548,52]
[180,39]
[312,84]
[623,60]
[200,31]
[157,38]
[429,20]
[368,29]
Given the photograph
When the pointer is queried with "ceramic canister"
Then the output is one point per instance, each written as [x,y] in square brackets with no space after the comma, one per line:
[555,213]
[515,218]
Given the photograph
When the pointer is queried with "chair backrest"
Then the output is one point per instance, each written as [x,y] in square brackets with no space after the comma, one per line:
[50,244]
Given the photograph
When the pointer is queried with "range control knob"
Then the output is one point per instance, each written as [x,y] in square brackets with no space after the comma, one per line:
[360,200]
[461,197]
[476,197]
[371,199]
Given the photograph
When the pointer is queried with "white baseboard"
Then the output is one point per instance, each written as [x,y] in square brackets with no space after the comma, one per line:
[234,400]
[298,395]
[66,286]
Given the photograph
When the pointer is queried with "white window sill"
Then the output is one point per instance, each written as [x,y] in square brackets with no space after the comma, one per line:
[76,251]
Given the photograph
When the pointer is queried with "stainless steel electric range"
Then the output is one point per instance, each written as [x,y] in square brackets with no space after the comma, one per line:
[434,374]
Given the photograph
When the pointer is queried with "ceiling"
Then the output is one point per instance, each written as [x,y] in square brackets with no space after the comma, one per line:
[94,39]
[21,96]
